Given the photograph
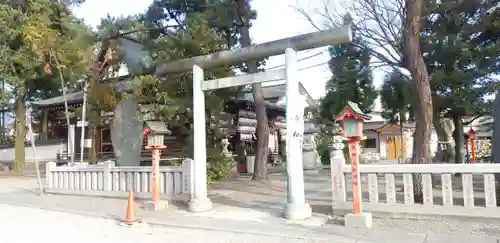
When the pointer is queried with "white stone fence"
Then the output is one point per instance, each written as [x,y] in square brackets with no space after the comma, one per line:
[176,182]
[448,189]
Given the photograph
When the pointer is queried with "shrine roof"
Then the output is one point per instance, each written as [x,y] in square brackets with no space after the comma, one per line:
[392,128]
[158,127]
[276,92]
[352,108]
[75,97]
[72,98]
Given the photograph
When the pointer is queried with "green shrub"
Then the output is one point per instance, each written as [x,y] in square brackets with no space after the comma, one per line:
[323,148]
[218,166]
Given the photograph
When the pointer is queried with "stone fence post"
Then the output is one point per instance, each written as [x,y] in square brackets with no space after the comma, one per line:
[188,178]
[337,163]
[106,174]
[49,177]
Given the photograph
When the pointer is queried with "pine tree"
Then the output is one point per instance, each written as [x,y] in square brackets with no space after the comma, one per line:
[459,65]
[397,98]
[351,80]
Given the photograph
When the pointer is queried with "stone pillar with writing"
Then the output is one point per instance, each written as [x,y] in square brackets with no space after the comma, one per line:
[309,154]
[337,163]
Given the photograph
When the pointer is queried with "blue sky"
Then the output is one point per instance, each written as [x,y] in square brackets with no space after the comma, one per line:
[276,19]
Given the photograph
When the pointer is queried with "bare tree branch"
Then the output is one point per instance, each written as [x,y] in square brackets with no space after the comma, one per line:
[377,22]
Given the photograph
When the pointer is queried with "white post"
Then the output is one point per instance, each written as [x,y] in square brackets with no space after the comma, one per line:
[199,201]
[296,207]
[33,147]
[71,142]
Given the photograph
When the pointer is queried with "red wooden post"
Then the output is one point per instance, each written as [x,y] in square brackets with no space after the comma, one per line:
[356,189]
[155,131]
[155,175]
[472,137]
[155,164]
[352,119]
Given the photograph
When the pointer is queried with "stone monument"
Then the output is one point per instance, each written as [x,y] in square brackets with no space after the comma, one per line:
[126,133]
[309,153]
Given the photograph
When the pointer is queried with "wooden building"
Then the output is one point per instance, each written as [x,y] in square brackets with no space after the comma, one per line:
[241,118]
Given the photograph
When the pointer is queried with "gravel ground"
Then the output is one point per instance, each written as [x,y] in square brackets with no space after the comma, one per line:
[435,226]
[253,193]
[21,224]
[239,194]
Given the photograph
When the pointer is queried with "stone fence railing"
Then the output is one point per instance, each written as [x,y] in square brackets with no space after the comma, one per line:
[448,189]
[110,181]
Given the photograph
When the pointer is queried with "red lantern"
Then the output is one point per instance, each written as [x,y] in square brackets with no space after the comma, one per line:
[146,131]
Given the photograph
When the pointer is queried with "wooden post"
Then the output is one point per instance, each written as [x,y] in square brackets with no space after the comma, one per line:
[155,175]
[352,118]
[45,124]
[356,188]
[472,136]
[472,150]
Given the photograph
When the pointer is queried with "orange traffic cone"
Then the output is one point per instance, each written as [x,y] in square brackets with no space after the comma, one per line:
[130,217]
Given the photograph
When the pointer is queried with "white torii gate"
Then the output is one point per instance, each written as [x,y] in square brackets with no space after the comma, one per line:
[296,206]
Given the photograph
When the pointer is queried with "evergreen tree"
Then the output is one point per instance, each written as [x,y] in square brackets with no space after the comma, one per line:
[193,34]
[460,67]
[34,34]
[230,19]
[351,80]
[396,97]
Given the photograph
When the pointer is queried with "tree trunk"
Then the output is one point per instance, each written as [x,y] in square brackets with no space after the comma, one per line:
[260,169]
[94,148]
[20,113]
[402,134]
[71,153]
[445,152]
[44,125]
[420,79]
[458,136]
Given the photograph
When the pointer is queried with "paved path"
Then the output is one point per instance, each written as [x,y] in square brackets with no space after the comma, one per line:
[20,224]
[42,226]
[241,214]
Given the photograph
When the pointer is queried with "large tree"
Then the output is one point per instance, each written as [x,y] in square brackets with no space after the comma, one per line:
[170,95]
[173,98]
[351,79]
[246,15]
[33,33]
[461,68]
[391,30]
[232,20]
[420,80]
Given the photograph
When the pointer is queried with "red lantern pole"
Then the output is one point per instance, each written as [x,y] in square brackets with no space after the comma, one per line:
[155,169]
[356,189]
[155,175]
[472,137]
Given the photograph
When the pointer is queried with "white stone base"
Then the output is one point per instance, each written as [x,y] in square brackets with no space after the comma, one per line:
[362,220]
[155,205]
[198,205]
[296,211]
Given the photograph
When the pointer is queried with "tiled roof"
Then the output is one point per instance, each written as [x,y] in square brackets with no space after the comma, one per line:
[72,98]
[158,127]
